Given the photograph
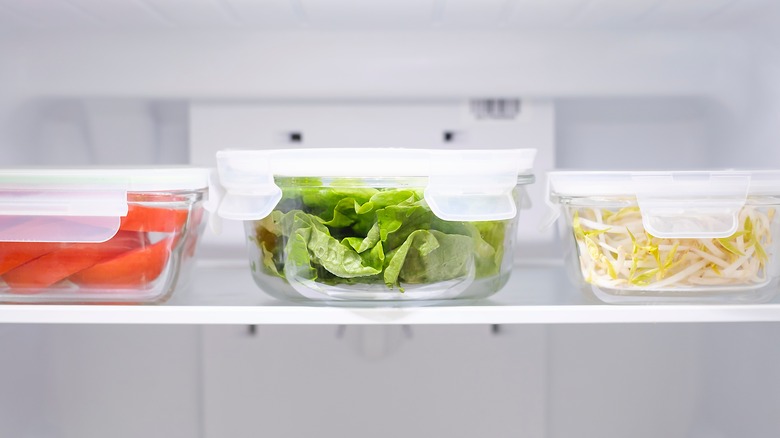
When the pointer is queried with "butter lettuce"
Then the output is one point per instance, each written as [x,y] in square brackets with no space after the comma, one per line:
[372,236]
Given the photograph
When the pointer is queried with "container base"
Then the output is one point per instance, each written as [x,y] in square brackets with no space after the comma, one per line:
[453,292]
[753,294]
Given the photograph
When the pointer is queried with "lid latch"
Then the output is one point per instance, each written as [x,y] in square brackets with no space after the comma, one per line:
[250,192]
[691,205]
[474,185]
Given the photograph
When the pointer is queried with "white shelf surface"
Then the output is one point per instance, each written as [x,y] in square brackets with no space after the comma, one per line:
[534,295]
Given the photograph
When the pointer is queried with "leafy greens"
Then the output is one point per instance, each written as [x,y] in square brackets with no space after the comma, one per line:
[371,236]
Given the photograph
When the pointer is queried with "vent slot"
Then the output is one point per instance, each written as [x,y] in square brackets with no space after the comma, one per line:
[495,109]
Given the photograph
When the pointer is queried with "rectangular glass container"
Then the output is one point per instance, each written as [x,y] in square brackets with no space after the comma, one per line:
[367,236]
[119,236]
[670,237]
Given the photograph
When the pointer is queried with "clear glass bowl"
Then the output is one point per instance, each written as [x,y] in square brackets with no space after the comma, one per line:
[615,260]
[371,240]
[143,263]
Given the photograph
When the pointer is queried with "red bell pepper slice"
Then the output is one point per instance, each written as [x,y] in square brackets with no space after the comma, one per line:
[68,259]
[15,254]
[153,219]
[136,268]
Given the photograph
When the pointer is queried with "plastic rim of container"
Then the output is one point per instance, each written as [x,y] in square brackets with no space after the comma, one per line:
[82,205]
[375,182]
[141,179]
[460,185]
[604,184]
[673,204]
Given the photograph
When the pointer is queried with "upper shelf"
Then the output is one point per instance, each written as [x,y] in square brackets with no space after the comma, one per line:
[534,295]
[351,14]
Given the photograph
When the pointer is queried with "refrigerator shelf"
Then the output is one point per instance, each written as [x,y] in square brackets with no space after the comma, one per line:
[534,295]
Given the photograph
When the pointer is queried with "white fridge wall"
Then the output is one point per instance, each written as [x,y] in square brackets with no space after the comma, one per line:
[155,14]
[96,381]
[26,381]
[457,381]
[312,64]
[65,92]
[112,97]
[629,133]
[672,380]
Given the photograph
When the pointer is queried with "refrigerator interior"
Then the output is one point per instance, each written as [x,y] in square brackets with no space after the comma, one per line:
[600,84]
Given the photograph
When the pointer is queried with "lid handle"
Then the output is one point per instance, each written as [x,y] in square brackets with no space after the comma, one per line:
[692,205]
[473,198]
[250,192]
[475,185]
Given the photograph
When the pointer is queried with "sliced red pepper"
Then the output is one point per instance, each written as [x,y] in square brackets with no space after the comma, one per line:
[153,219]
[135,269]
[14,254]
[68,259]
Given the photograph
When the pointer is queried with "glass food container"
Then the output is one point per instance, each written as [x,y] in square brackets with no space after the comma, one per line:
[376,225]
[109,236]
[671,237]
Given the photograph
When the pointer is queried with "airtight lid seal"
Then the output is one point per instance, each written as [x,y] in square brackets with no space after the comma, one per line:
[79,205]
[462,185]
[678,204]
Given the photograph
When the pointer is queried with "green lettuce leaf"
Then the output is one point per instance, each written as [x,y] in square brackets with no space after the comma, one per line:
[398,222]
[429,256]
[338,259]
[365,235]
[311,245]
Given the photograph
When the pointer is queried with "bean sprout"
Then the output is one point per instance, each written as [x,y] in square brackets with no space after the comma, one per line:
[615,251]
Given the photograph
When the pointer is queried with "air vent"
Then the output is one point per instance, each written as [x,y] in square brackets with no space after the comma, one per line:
[495,109]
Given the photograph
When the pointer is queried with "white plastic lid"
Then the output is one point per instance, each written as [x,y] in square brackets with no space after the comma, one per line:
[79,205]
[463,185]
[678,204]
[148,179]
